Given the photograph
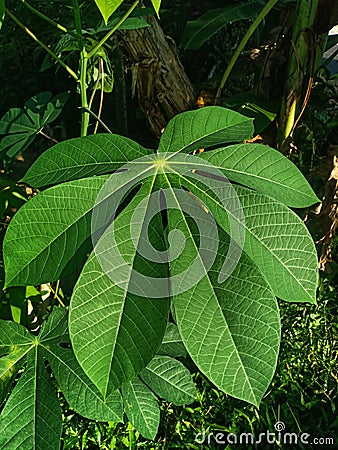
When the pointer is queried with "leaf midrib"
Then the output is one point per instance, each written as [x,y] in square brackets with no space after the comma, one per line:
[125,294]
[53,171]
[212,288]
[252,175]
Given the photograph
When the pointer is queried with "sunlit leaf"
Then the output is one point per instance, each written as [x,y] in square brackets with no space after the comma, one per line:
[107,7]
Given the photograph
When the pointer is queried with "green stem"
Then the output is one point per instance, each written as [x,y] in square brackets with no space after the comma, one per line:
[42,45]
[83,90]
[132,437]
[83,69]
[270,4]
[42,16]
[115,27]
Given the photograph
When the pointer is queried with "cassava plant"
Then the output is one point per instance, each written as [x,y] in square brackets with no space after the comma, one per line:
[176,261]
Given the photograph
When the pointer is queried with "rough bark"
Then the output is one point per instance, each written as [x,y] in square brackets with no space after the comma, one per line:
[158,77]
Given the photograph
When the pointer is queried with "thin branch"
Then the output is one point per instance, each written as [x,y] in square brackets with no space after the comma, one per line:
[42,45]
[242,44]
[98,119]
[44,17]
[48,137]
[115,27]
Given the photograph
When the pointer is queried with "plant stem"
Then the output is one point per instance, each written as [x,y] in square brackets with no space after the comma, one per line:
[115,27]
[83,69]
[132,437]
[83,90]
[101,96]
[270,4]
[48,137]
[42,16]
[99,120]
[42,45]
[84,58]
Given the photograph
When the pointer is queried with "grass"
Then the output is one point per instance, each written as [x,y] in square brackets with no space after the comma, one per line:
[303,395]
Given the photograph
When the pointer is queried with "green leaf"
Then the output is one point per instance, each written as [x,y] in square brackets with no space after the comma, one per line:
[141,408]
[79,391]
[65,211]
[169,379]
[32,414]
[172,344]
[20,126]
[107,7]
[132,23]
[205,127]
[31,417]
[5,385]
[264,169]
[156,4]
[275,238]
[231,330]
[78,158]
[222,289]
[198,31]
[115,333]
[263,112]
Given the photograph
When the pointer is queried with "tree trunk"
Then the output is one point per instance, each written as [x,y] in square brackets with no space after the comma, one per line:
[158,77]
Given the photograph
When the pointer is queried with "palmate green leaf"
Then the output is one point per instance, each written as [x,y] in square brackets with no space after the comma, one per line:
[107,7]
[141,407]
[79,158]
[264,169]
[117,323]
[20,126]
[34,399]
[231,330]
[203,128]
[198,31]
[169,379]
[115,333]
[31,417]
